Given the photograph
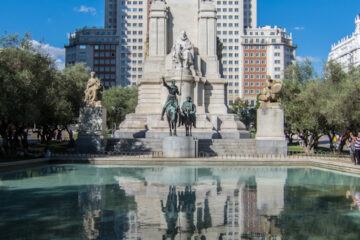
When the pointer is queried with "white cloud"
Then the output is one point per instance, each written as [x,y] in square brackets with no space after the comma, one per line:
[303,59]
[85,9]
[58,54]
[299,28]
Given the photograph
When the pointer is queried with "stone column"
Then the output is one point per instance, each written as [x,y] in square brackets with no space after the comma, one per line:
[150,87]
[158,29]
[207,39]
[214,88]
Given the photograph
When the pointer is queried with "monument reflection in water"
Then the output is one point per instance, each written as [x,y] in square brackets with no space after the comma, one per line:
[88,202]
[207,203]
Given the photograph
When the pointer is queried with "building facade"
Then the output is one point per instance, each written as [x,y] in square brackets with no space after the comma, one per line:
[347,50]
[250,53]
[266,51]
[117,51]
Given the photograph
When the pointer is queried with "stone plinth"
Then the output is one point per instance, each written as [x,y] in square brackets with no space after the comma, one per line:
[270,137]
[92,130]
[179,147]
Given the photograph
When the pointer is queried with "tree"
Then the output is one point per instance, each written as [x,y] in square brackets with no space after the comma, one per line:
[246,113]
[24,77]
[118,102]
[341,103]
[70,94]
[34,93]
[300,102]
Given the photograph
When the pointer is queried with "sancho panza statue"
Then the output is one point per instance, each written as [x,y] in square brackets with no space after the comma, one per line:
[189,110]
[183,52]
[93,91]
[171,99]
[271,91]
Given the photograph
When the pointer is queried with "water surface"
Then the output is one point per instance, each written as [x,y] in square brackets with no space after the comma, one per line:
[113,202]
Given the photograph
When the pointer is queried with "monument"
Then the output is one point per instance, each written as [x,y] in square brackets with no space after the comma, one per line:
[175,146]
[92,120]
[182,50]
[270,137]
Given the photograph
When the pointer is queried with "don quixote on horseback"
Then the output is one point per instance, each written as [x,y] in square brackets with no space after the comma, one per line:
[173,114]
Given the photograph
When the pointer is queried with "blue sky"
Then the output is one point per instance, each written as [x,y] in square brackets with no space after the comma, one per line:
[315,24]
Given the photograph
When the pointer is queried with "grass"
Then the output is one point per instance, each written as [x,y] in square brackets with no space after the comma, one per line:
[295,148]
[36,150]
[320,151]
[54,147]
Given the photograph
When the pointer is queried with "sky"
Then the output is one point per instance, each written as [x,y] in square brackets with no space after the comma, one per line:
[315,24]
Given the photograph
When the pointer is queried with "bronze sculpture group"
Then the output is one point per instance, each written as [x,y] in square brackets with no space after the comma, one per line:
[184,116]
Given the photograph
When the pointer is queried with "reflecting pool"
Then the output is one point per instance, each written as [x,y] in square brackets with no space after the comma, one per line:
[168,202]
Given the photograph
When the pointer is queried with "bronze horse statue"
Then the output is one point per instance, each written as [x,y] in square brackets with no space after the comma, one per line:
[172,115]
[187,120]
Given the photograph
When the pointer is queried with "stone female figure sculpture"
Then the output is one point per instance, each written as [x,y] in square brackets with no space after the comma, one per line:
[93,91]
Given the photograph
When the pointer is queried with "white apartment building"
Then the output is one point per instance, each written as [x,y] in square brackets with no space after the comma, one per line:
[347,50]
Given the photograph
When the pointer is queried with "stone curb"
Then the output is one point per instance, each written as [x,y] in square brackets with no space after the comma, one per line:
[24,162]
[336,164]
[331,163]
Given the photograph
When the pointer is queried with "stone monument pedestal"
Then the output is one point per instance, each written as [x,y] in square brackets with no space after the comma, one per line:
[179,147]
[92,130]
[270,137]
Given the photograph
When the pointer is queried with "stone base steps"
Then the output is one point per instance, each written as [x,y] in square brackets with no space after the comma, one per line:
[221,147]
[213,147]
[135,145]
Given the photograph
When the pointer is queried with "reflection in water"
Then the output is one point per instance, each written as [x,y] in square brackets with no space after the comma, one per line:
[177,203]
[171,211]
[214,204]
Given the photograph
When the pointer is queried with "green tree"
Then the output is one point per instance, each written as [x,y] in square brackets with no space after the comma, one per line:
[246,113]
[70,94]
[25,75]
[118,102]
[299,97]
[35,95]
